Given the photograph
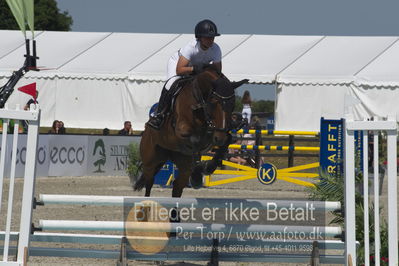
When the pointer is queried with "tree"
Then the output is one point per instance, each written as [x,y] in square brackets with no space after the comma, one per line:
[47,17]
[260,106]
[263,106]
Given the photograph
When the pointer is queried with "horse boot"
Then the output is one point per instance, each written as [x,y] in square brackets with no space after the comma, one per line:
[196,176]
[210,166]
[163,106]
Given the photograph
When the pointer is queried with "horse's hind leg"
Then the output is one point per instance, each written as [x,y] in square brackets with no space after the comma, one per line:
[149,175]
[183,163]
[153,159]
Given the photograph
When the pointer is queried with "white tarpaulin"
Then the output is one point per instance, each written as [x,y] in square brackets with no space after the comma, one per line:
[376,85]
[98,80]
[321,83]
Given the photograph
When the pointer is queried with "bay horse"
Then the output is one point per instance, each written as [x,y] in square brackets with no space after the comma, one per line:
[199,120]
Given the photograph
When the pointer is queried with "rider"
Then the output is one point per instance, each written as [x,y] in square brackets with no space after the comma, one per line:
[189,60]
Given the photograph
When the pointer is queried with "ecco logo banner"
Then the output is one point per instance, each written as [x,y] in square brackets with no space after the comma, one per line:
[73,155]
[67,155]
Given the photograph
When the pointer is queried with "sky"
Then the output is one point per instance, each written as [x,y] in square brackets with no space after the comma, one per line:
[274,17]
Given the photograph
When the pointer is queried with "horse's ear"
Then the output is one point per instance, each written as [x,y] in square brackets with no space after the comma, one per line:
[237,84]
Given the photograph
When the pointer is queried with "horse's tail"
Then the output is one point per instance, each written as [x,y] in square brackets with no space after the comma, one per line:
[140,183]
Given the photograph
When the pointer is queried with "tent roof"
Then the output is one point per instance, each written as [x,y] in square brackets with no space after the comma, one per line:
[383,71]
[143,56]
[261,58]
[335,60]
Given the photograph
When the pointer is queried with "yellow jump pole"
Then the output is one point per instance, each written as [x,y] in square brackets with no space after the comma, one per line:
[276,132]
[272,148]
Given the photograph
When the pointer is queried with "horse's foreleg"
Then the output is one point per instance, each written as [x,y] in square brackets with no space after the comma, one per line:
[210,166]
[184,164]
[180,183]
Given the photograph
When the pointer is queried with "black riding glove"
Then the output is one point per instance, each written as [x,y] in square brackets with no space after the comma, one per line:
[197,70]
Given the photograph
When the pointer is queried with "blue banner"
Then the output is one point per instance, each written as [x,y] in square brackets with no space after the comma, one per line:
[359,150]
[167,171]
[331,146]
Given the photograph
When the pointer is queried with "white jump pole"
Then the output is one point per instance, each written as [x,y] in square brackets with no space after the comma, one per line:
[197,202]
[189,227]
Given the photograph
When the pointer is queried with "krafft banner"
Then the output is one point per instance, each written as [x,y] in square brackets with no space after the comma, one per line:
[73,155]
[331,146]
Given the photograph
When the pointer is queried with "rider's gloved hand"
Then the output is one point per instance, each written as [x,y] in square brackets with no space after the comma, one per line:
[200,68]
[204,66]
[197,69]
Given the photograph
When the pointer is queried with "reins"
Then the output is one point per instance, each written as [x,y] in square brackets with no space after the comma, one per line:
[203,105]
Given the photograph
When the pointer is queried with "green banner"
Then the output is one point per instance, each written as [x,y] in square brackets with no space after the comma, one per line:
[23,11]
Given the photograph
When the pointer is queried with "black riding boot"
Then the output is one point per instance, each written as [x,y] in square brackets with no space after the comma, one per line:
[162,109]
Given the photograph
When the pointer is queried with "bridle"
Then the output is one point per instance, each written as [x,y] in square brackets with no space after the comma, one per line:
[205,106]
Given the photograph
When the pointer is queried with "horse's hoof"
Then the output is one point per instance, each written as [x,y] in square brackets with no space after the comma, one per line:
[209,167]
[196,184]
[196,181]
[196,177]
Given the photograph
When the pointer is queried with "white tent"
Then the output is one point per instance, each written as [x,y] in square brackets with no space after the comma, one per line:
[322,83]
[98,80]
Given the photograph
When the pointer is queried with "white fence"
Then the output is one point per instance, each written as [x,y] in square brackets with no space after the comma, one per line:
[390,128]
[33,118]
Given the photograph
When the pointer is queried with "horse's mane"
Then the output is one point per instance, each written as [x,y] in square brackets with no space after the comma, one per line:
[212,67]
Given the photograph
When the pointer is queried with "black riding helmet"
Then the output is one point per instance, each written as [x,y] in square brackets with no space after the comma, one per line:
[206,28]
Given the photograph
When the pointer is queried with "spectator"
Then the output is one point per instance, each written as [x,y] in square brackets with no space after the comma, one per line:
[237,159]
[32,100]
[25,123]
[246,106]
[61,130]
[55,128]
[105,131]
[255,124]
[126,130]
[237,121]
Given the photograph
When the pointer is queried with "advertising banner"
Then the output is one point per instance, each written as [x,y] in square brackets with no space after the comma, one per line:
[108,155]
[331,146]
[73,155]
[42,156]
[68,155]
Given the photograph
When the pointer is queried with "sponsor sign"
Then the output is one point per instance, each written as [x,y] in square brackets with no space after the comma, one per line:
[167,170]
[68,155]
[267,174]
[73,155]
[108,155]
[331,146]
[42,156]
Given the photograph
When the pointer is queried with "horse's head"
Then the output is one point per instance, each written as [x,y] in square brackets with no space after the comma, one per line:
[215,100]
